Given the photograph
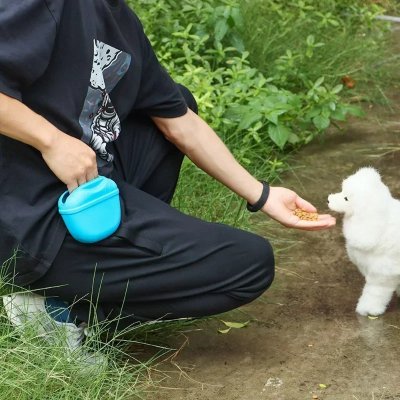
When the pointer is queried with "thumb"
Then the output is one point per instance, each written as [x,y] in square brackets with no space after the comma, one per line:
[304,205]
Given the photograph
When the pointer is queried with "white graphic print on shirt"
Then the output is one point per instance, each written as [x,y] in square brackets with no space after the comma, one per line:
[99,121]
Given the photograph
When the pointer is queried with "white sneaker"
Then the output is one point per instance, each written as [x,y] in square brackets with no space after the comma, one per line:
[29,309]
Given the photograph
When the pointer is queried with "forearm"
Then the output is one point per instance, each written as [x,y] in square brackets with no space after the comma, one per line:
[202,145]
[19,122]
[71,160]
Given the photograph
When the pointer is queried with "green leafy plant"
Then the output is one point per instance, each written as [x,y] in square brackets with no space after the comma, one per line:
[266,88]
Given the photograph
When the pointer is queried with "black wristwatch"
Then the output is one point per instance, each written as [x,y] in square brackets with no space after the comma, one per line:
[263,199]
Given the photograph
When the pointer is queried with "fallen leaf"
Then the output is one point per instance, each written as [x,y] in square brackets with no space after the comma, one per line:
[236,325]
[371,317]
[224,330]
[322,386]
[348,82]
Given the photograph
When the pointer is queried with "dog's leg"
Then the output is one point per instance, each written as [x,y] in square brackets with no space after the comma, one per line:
[376,295]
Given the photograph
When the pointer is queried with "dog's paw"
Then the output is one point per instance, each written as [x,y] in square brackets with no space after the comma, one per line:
[370,309]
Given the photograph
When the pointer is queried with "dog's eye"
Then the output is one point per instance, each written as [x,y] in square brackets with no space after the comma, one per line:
[346,199]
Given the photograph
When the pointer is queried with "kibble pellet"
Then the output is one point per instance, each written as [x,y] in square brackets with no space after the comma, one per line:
[304,215]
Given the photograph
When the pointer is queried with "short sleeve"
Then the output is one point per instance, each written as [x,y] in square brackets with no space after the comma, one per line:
[27,36]
[158,94]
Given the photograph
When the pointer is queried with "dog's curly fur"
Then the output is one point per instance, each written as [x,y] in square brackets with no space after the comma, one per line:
[371,226]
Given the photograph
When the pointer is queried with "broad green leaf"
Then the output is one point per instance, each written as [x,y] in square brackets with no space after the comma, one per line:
[236,15]
[339,114]
[310,40]
[293,139]
[221,29]
[314,112]
[279,134]
[321,122]
[326,112]
[337,89]
[248,119]
[236,112]
[273,115]
[319,82]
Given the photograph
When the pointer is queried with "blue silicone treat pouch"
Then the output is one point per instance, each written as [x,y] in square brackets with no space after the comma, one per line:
[92,212]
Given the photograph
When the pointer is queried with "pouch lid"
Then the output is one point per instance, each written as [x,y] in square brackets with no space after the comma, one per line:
[87,195]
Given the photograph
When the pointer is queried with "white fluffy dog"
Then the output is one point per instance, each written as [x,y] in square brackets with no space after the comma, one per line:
[371,227]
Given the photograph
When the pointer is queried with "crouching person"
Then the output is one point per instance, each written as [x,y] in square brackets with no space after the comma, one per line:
[86,97]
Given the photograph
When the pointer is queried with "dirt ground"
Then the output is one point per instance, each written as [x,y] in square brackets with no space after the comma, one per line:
[304,338]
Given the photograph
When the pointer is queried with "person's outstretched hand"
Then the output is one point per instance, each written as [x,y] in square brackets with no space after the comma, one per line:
[280,206]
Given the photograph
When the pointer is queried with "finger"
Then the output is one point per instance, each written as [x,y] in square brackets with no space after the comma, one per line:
[72,186]
[323,217]
[91,176]
[305,205]
[316,225]
[82,180]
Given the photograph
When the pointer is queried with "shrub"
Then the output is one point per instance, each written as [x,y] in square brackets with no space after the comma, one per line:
[266,75]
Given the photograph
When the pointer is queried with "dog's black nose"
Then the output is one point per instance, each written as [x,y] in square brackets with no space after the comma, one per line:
[327,201]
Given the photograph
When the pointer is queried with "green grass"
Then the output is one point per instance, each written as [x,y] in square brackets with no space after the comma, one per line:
[239,57]
[190,41]
[348,40]
[34,368]
[31,368]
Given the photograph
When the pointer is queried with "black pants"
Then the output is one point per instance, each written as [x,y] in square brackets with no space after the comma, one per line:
[167,265]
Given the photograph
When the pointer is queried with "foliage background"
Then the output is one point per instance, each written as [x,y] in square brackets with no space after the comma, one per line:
[267,75]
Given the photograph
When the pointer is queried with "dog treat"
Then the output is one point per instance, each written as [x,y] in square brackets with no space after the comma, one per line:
[304,215]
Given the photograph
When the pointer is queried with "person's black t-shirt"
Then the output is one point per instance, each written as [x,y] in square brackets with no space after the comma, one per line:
[84,65]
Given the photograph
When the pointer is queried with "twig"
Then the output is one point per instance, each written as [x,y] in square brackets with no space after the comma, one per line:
[182,372]
[294,274]
[388,18]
